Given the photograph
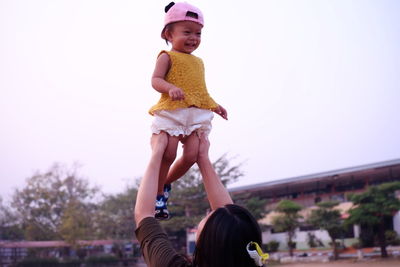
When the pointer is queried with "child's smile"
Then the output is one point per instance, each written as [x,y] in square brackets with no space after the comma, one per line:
[185,36]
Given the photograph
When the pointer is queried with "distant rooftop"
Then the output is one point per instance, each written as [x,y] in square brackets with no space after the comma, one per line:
[350,171]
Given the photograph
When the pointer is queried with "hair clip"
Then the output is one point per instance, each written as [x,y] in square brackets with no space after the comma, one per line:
[168,6]
[256,253]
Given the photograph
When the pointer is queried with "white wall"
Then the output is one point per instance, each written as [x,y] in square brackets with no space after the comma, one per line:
[301,238]
[396,222]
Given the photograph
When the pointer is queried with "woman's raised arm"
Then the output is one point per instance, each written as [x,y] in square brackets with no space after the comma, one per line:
[217,194]
[148,186]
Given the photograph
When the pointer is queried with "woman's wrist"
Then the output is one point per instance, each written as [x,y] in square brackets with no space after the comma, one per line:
[202,163]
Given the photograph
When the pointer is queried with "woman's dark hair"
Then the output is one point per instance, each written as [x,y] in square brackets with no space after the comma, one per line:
[223,240]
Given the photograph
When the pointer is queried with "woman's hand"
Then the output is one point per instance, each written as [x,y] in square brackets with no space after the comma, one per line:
[217,194]
[159,142]
[204,146]
[148,186]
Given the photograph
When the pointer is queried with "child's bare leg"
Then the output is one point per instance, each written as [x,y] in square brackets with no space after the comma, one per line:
[189,157]
[167,160]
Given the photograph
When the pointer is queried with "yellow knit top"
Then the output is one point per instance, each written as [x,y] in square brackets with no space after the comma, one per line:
[186,72]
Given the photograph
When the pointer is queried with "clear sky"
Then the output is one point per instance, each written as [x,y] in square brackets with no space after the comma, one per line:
[309,85]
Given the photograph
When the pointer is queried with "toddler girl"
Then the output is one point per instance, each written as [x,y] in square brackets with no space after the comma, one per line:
[185,107]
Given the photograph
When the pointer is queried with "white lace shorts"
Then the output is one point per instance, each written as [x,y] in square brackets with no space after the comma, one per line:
[182,121]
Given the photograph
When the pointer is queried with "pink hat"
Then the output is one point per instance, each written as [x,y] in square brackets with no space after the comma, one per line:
[182,12]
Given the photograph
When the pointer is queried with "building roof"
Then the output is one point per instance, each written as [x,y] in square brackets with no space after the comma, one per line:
[391,167]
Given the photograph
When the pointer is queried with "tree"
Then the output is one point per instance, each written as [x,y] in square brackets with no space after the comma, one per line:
[373,207]
[46,204]
[188,203]
[255,205]
[76,223]
[329,219]
[288,221]
[114,217]
[10,227]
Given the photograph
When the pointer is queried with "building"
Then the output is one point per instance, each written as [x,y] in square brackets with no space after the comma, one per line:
[307,190]
[14,251]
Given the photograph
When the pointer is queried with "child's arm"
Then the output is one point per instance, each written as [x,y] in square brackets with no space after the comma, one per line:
[158,79]
[221,111]
[148,187]
[217,194]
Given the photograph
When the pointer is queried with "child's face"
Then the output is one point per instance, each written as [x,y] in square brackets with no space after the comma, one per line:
[185,36]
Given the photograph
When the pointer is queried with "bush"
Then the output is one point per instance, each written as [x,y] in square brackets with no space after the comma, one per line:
[392,238]
[313,241]
[357,245]
[38,262]
[71,263]
[272,246]
[101,260]
[339,244]
[292,245]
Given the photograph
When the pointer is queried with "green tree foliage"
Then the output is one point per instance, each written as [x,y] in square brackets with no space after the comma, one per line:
[76,223]
[188,199]
[188,203]
[329,219]
[114,217]
[55,204]
[373,207]
[60,205]
[254,204]
[10,226]
[288,221]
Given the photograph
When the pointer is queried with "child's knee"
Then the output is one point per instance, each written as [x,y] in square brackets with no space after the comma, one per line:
[190,157]
[169,156]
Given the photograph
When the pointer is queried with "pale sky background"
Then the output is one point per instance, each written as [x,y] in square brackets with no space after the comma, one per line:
[309,85]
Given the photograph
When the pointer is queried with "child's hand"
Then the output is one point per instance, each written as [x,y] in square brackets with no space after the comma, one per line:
[221,111]
[176,93]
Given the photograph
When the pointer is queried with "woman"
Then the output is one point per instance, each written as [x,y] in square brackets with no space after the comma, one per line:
[228,236]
